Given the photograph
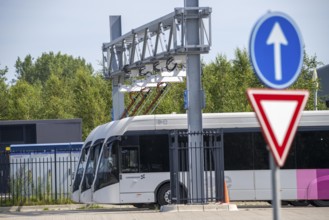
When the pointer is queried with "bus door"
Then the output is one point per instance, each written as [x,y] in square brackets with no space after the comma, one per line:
[144,165]
[131,180]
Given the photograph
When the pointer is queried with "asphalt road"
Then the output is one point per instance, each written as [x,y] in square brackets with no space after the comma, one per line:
[245,213]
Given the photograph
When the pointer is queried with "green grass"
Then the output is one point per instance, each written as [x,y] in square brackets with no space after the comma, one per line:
[91,206]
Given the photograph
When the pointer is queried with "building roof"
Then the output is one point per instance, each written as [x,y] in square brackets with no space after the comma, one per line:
[53,121]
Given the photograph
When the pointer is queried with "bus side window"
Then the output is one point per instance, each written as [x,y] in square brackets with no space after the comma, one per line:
[312,149]
[129,159]
[154,153]
[238,151]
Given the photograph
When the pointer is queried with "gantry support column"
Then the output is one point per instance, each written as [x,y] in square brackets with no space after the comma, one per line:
[195,137]
[118,106]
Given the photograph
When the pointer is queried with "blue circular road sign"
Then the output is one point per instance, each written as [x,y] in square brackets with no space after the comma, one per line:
[276,50]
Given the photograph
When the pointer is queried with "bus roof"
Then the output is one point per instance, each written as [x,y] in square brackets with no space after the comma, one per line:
[210,121]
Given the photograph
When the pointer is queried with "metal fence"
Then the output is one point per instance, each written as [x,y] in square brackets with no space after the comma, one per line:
[212,150]
[37,178]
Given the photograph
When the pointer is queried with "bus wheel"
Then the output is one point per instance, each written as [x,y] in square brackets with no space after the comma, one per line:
[164,195]
[299,203]
[320,203]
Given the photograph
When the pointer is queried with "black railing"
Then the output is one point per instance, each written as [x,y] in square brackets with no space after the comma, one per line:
[212,150]
[39,178]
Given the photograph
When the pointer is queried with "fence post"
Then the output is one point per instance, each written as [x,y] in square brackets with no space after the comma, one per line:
[219,164]
[55,163]
[174,181]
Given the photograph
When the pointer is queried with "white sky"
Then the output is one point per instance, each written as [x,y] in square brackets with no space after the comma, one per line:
[79,27]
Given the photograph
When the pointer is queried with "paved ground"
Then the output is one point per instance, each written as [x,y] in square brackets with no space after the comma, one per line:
[130,213]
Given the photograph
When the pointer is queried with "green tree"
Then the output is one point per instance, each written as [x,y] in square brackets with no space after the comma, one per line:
[214,77]
[61,65]
[25,101]
[241,78]
[225,82]
[3,94]
[305,81]
[60,86]
[90,93]
[57,98]
[25,69]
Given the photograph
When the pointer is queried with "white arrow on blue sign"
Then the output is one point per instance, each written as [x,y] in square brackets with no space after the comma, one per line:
[276,50]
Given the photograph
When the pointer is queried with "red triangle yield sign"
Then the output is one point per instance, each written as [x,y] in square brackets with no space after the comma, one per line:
[278,112]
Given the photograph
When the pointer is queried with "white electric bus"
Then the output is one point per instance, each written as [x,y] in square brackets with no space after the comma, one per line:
[133,165]
[84,175]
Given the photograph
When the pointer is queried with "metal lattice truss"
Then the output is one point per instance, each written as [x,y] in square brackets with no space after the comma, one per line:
[157,47]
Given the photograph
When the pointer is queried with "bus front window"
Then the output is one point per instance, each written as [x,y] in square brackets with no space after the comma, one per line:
[91,166]
[81,165]
[107,173]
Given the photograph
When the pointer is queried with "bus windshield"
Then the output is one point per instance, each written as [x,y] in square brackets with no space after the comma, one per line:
[81,165]
[89,175]
[108,172]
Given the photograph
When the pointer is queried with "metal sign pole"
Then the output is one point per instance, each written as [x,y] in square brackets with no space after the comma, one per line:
[276,199]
